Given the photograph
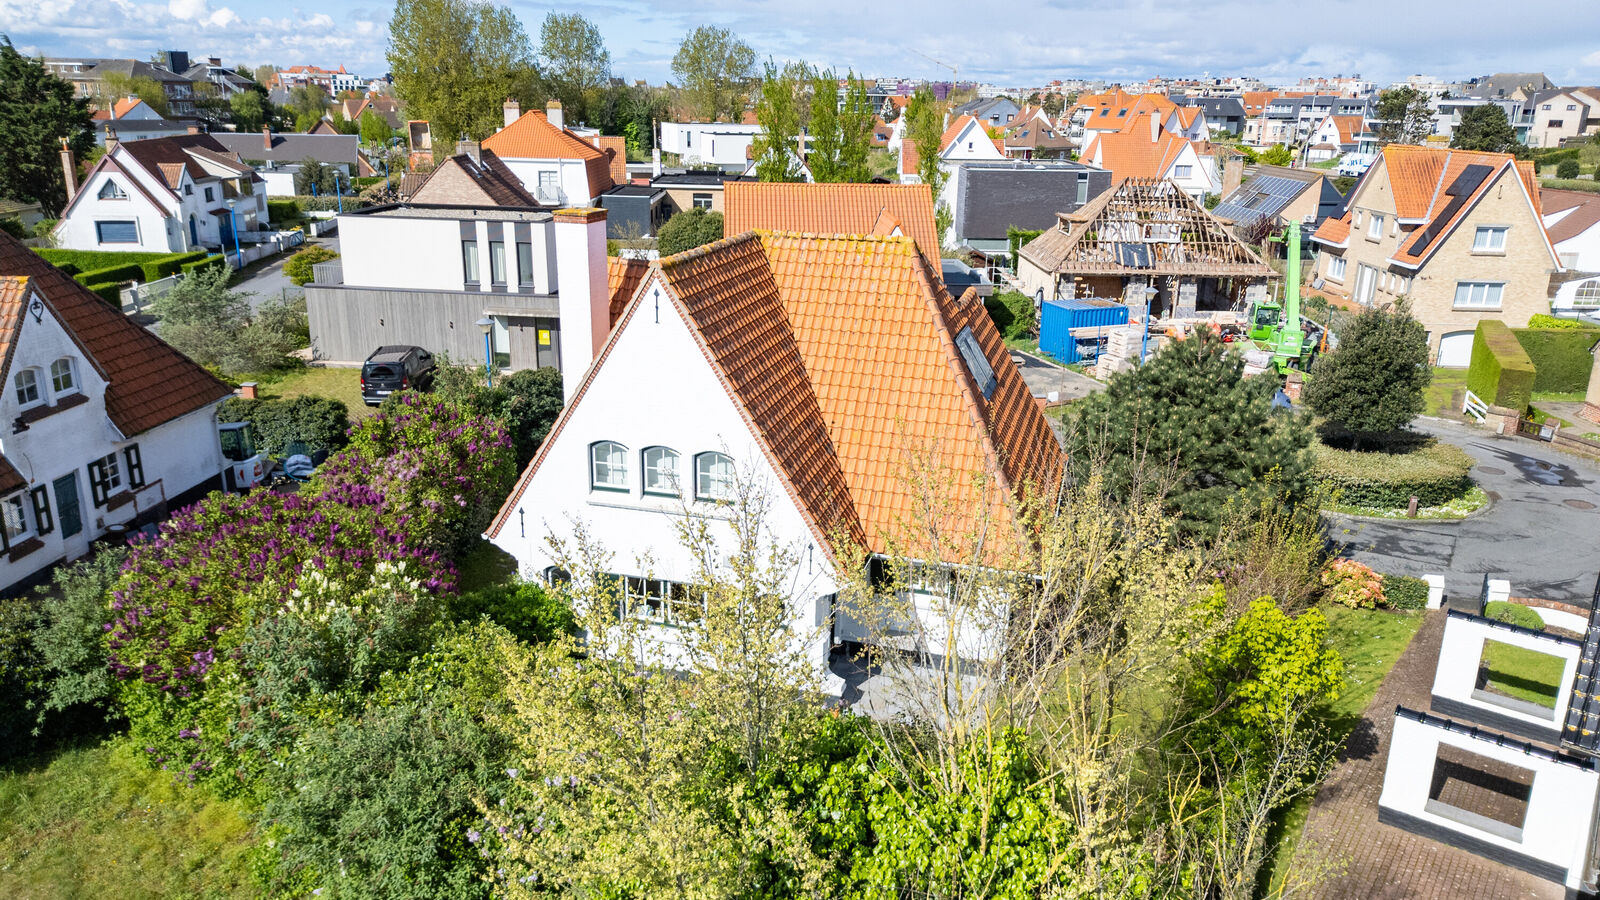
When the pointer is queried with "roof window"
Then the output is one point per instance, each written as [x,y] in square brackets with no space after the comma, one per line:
[977,363]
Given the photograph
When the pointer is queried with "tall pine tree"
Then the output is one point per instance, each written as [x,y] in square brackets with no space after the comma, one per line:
[37,110]
[1190,422]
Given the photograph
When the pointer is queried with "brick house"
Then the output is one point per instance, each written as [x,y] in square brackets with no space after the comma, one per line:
[1456,232]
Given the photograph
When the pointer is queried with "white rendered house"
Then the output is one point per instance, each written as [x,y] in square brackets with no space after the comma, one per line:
[763,360]
[555,164]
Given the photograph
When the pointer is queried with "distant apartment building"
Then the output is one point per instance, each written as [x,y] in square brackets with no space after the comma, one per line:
[331,80]
[88,75]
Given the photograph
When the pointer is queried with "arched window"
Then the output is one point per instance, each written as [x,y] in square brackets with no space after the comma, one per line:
[713,477]
[27,383]
[608,466]
[62,380]
[112,191]
[661,471]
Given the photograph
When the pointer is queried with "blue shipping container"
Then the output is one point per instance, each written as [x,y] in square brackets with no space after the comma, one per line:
[1058,318]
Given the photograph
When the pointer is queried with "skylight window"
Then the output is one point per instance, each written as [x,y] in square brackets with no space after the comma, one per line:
[977,364]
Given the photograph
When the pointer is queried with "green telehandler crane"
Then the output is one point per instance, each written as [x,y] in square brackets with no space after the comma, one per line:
[1278,327]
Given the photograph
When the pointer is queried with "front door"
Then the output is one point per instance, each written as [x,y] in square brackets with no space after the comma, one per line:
[69,513]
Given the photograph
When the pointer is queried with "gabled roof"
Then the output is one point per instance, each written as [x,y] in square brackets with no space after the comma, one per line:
[1438,188]
[532,136]
[124,106]
[170,156]
[1267,193]
[1334,232]
[1132,154]
[1584,215]
[953,131]
[148,382]
[292,147]
[623,277]
[824,209]
[1144,226]
[1349,127]
[499,185]
[841,353]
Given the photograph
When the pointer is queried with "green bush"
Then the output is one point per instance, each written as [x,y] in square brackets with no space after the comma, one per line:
[1567,169]
[298,268]
[1012,314]
[171,265]
[1513,614]
[326,202]
[319,423]
[92,267]
[13,227]
[110,275]
[689,229]
[216,261]
[1405,592]
[1501,372]
[1434,474]
[110,293]
[524,609]
[1540,320]
[286,210]
[1562,356]
[1554,157]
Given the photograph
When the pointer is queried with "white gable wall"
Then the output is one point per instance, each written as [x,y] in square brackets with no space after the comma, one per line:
[571,177]
[655,388]
[77,230]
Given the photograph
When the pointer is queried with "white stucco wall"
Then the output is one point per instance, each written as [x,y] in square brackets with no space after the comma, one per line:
[424,254]
[77,230]
[572,175]
[655,388]
[1456,676]
[718,143]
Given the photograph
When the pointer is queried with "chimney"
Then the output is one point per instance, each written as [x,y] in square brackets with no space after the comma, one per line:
[214,61]
[582,295]
[69,168]
[1232,174]
[193,129]
[111,139]
[470,148]
[552,111]
[513,111]
[266,138]
[247,390]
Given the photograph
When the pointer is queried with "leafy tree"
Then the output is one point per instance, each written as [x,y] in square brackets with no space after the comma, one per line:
[1373,384]
[1189,419]
[1276,155]
[263,74]
[374,129]
[1403,116]
[455,61]
[216,328]
[309,102]
[299,267]
[780,113]
[1567,168]
[1486,128]
[319,423]
[526,402]
[714,68]
[71,637]
[314,177]
[37,111]
[343,125]
[925,127]
[249,110]
[117,86]
[689,229]
[576,63]
[841,138]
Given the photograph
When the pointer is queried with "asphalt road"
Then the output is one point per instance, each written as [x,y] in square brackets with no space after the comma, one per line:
[269,282]
[1542,532]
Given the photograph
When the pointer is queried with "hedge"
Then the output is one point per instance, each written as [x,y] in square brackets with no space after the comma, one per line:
[1562,357]
[1434,474]
[110,293]
[1513,614]
[91,267]
[1501,372]
[110,275]
[217,261]
[320,423]
[1540,320]
[283,210]
[327,202]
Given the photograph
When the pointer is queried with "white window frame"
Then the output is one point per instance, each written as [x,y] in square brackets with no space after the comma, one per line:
[1375,228]
[702,201]
[1337,266]
[1587,295]
[62,369]
[608,467]
[14,510]
[1477,295]
[660,601]
[111,191]
[25,382]
[1182,171]
[711,485]
[659,467]
[1484,239]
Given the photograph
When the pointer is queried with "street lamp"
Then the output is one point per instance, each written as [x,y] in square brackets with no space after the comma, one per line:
[338,190]
[486,325]
[1144,339]
[233,225]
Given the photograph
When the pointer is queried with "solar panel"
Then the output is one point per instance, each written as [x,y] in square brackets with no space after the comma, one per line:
[1263,195]
[1459,191]
[1582,729]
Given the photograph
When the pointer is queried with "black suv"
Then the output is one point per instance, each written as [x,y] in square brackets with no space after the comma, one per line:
[396,368]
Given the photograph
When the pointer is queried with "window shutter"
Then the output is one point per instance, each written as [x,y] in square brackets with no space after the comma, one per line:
[41,511]
[97,483]
[135,466]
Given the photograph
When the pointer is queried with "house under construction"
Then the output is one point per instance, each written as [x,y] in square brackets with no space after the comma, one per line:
[1144,233]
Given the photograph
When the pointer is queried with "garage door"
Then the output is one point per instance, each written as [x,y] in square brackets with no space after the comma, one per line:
[1455,350]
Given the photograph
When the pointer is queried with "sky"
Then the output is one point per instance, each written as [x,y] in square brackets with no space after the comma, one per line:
[1012,45]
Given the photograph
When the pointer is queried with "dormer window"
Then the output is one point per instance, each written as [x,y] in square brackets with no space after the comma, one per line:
[61,377]
[112,191]
[27,384]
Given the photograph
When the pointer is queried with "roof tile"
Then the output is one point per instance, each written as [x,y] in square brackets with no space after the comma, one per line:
[823,209]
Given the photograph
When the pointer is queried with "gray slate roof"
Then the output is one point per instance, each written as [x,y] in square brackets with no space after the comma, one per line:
[292,148]
[1022,194]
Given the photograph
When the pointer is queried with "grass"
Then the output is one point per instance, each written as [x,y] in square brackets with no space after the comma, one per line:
[1558,396]
[1571,184]
[1445,393]
[98,822]
[1370,641]
[1473,500]
[338,384]
[1326,164]
[1522,674]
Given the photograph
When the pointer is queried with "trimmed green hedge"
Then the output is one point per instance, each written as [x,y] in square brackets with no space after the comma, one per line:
[1405,592]
[92,267]
[327,202]
[283,210]
[110,275]
[1501,372]
[1513,614]
[1012,313]
[110,293]
[1540,320]
[1434,474]
[1562,357]
[216,261]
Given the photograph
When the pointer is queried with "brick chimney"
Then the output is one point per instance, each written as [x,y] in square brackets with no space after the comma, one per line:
[111,139]
[69,168]
[513,110]
[266,138]
[1232,174]
[552,111]
[193,129]
[470,148]
[582,294]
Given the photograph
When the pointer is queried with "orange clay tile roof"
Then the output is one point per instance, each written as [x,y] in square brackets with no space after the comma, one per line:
[616,149]
[1133,155]
[149,383]
[623,276]
[831,209]
[1419,178]
[1349,127]
[1187,115]
[841,352]
[1111,111]
[124,106]
[1334,232]
[532,136]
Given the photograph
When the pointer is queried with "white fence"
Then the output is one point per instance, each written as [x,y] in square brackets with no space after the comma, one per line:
[1474,406]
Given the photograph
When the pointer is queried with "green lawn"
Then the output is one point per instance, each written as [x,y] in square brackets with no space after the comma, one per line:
[1445,392]
[97,822]
[338,384]
[1370,641]
[1523,674]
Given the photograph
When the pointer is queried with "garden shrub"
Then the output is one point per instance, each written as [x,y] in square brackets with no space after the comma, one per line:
[1541,320]
[110,293]
[172,265]
[1513,614]
[525,609]
[441,471]
[327,202]
[1567,168]
[1435,474]
[13,226]
[319,423]
[282,211]
[1352,584]
[298,268]
[1562,356]
[116,274]
[1012,314]
[1501,373]
[71,635]
[209,263]
[20,675]
[1405,592]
